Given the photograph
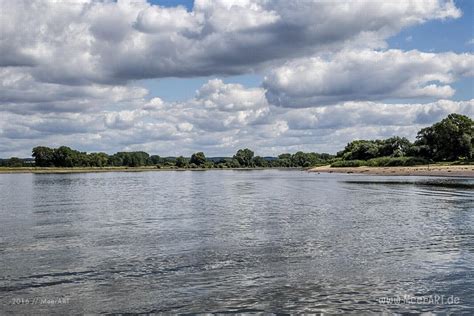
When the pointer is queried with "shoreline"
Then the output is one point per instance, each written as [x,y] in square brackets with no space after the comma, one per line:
[55,170]
[466,171]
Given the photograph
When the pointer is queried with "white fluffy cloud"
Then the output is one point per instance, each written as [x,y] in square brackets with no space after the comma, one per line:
[21,93]
[216,107]
[230,97]
[69,71]
[212,123]
[78,42]
[366,75]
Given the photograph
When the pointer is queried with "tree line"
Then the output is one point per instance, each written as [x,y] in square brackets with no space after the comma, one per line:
[448,140]
[15,162]
[244,158]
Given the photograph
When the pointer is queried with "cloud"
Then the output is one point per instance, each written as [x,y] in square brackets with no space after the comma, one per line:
[230,97]
[83,42]
[359,114]
[21,93]
[216,107]
[68,75]
[211,123]
[366,75]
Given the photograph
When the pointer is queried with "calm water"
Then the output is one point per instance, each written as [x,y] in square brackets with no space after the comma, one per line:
[247,241]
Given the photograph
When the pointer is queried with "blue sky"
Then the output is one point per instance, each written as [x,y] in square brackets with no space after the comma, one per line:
[433,36]
[179,89]
[438,35]
[443,36]
[172,3]
[216,76]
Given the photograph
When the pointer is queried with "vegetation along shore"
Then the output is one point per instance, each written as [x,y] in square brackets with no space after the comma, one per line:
[445,148]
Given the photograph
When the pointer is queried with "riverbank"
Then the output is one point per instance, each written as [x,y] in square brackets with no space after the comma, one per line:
[75,169]
[422,170]
[113,169]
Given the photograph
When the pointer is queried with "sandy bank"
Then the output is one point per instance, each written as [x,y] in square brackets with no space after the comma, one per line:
[425,170]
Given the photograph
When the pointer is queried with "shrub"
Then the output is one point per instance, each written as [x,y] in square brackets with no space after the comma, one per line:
[381,162]
[348,163]
[413,161]
[395,161]
[464,162]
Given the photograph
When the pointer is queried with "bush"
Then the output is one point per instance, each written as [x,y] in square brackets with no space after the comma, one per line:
[413,161]
[381,162]
[396,161]
[464,162]
[348,163]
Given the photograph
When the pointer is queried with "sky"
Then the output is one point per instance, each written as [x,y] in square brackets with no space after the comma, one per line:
[176,77]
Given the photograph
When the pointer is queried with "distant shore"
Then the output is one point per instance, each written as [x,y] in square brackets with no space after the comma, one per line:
[46,170]
[75,169]
[422,170]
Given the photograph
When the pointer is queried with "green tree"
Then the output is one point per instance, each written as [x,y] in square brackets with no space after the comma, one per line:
[139,158]
[232,163]
[300,159]
[115,160]
[130,159]
[394,147]
[64,157]
[98,159]
[198,158]
[284,161]
[181,162]
[155,160]
[244,157]
[43,156]
[260,162]
[360,150]
[284,156]
[450,139]
[14,162]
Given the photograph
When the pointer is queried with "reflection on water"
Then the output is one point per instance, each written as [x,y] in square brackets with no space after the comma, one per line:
[278,241]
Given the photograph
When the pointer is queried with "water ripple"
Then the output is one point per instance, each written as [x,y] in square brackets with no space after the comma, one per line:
[235,242]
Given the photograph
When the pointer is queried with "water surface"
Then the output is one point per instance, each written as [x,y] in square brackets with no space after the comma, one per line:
[242,241]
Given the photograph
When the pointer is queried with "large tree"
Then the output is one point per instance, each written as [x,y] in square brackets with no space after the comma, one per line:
[155,160]
[43,156]
[394,147]
[65,157]
[181,162]
[98,159]
[360,149]
[259,161]
[450,139]
[130,159]
[198,158]
[244,157]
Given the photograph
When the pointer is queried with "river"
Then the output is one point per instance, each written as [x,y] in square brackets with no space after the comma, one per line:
[235,241]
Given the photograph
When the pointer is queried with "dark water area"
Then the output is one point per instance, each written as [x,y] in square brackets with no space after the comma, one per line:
[235,241]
